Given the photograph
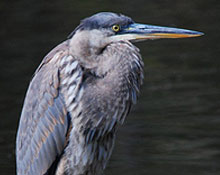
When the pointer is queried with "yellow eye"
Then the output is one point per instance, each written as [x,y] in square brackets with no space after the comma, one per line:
[116,28]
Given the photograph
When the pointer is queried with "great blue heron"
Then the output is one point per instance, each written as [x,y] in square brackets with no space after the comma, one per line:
[79,95]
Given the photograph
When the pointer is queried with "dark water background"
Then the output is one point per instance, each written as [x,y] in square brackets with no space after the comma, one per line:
[175,127]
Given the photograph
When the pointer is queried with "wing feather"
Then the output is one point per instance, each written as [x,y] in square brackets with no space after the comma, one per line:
[44,121]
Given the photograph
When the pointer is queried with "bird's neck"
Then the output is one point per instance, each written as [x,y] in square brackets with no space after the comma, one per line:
[86,47]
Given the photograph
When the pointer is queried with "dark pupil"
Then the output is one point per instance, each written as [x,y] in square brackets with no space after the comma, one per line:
[116,27]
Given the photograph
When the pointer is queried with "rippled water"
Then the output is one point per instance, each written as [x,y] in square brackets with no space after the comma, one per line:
[174,128]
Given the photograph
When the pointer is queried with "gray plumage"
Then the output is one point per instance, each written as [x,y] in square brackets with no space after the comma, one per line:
[79,95]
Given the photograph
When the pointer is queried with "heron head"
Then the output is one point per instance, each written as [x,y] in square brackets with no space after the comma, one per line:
[96,32]
[110,27]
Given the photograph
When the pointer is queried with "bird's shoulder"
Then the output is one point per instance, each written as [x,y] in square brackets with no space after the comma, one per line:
[54,55]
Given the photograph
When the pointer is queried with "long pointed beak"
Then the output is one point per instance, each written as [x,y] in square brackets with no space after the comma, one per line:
[138,32]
